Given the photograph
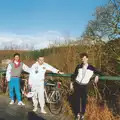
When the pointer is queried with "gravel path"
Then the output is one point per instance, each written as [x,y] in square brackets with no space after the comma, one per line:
[15,112]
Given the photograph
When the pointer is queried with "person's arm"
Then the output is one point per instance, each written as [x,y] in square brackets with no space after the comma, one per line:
[74,75]
[8,72]
[30,80]
[96,79]
[52,69]
[26,68]
[97,74]
[31,75]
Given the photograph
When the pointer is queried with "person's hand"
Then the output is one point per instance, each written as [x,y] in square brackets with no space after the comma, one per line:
[6,80]
[61,73]
[71,86]
[30,85]
[96,80]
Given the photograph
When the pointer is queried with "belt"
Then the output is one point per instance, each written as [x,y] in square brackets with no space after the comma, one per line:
[15,76]
[81,83]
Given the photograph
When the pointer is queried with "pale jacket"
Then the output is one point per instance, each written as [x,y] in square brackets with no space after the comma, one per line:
[83,75]
[37,73]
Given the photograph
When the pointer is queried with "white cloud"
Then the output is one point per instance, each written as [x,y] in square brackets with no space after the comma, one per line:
[38,41]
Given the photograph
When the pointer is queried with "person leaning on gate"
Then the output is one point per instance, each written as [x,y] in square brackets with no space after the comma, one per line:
[81,78]
[13,73]
[36,82]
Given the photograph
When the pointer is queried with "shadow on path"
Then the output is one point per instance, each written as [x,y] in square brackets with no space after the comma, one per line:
[34,116]
[2,119]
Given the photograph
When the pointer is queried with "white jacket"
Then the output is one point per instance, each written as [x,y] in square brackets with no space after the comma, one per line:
[37,73]
[83,73]
[84,79]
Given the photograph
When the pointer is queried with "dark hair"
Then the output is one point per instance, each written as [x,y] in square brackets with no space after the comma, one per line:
[16,54]
[41,55]
[83,54]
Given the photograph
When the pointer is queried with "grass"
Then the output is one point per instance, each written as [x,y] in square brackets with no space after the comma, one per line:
[97,111]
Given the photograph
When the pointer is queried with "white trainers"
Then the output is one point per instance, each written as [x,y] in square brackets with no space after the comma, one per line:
[78,116]
[35,109]
[11,102]
[43,111]
[21,103]
[82,117]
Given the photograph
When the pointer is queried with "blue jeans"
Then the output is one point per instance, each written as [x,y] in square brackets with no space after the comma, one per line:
[14,83]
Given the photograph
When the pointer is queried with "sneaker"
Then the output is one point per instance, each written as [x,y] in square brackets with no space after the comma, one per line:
[78,116]
[21,103]
[11,102]
[35,109]
[82,117]
[43,111]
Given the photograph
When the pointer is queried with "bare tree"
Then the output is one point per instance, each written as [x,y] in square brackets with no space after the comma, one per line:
[106,23]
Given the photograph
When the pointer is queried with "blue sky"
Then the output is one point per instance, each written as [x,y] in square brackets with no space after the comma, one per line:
[31,17]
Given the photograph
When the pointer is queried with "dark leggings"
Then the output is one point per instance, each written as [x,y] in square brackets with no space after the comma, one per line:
[81,97]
